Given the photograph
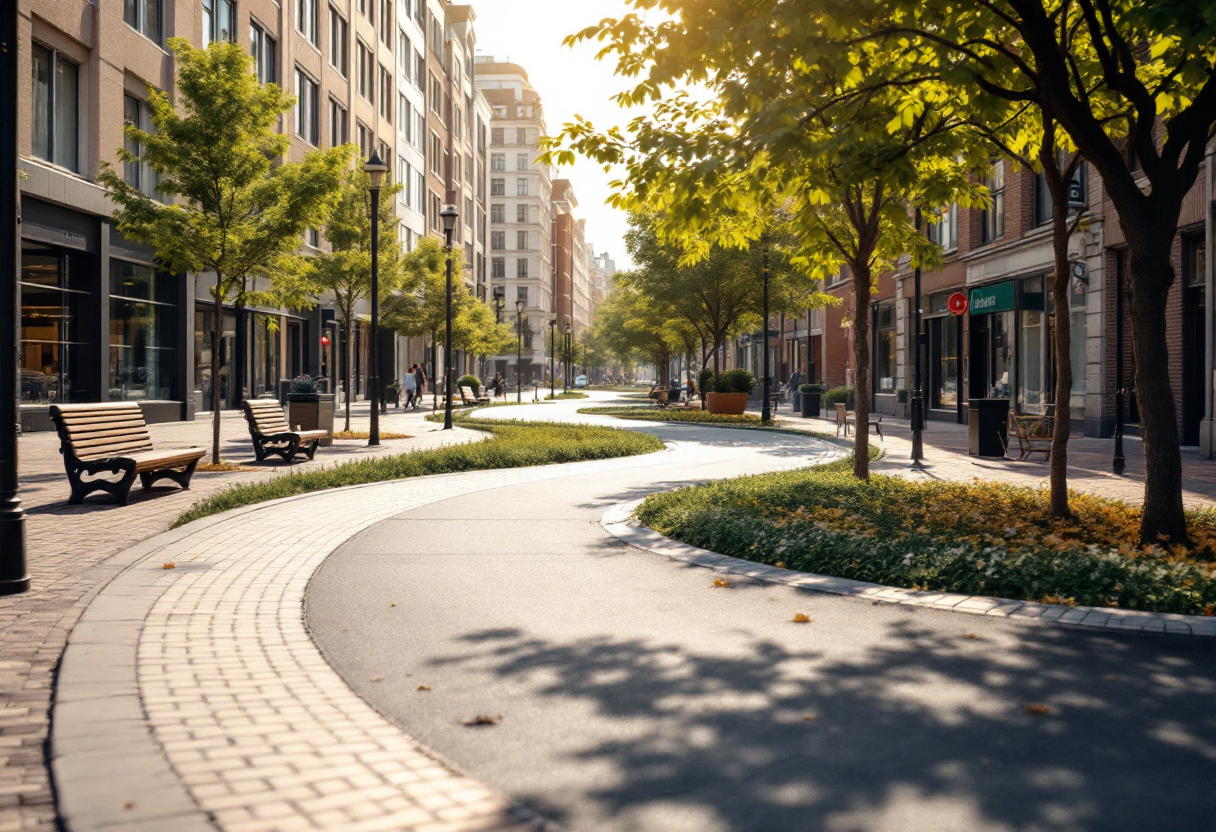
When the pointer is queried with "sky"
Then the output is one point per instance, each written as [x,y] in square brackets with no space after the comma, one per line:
[569,81]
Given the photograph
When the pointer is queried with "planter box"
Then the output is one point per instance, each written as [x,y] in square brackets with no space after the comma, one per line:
[728,404]
[810,405]
[312,411]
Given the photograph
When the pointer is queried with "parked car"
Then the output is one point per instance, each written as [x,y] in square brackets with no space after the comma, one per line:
[580,381]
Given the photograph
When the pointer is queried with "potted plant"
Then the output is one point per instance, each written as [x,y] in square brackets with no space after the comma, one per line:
[310,409]
[731,392]
[810,399]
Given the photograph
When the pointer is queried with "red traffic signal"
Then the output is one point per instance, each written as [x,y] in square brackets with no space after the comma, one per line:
[325,340]
[957,303]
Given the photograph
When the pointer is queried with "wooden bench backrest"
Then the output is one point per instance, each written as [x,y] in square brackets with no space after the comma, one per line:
[842,414]
[101,431]
[267,416]
[466,393]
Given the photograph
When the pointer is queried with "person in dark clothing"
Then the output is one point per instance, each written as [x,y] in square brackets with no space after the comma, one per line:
[420,383]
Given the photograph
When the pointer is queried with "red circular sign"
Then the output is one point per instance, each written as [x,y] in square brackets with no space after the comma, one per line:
[325,340]
[957,303]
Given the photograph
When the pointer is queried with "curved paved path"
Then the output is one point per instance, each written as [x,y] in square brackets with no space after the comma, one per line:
[635,695]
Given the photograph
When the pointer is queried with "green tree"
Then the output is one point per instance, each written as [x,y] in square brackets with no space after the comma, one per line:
[345,272]
[796,134]
[232,208]
[630,325]
[1134,86]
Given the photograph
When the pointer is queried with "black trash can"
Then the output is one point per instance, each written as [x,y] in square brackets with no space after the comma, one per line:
[988,426]
[810,405]
[796,404]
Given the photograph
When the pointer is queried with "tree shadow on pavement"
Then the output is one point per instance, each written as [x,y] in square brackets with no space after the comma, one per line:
[910,730]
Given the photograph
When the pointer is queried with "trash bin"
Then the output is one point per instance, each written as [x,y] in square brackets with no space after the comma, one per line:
[987,426]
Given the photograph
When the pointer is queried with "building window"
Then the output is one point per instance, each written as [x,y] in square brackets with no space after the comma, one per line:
[521,240]
[498,240]
[53,308]
[420,192]
[365,8]
[497,212]
[143,318]
[405,117]
[521,268]
[365,71]
[386,22]
[435,208]
[498,267]
[498,161]
[143,16]
[436,97]
[419,71]
[338,41]
[1044,209]
[496,138]
[521,161]
[364,139]
[521,187]
[307,102]
[521,213]
[992,220]
[944,232]
[521,294]
[337,124]
[54,117]
[386,95]
[263,49]
[498,187]
[436,155]
[419,132]
[307,20]
[884,348]
[219,21]
[137,174]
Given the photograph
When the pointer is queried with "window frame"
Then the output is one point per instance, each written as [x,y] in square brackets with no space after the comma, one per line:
[308,20]
[54,59]
[257,49]
[140,24]
[339,41]
[307,105]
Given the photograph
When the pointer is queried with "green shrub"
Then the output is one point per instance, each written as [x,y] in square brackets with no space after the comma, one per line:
[969,538]
[470,381]
[837,395]
[705,380]
[512,444]
[675,414]
[805,389]
[737,380]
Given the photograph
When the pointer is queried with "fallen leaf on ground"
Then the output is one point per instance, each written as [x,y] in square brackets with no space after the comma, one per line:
[169,566]
[1038,709]
[800,618]
[377,679]
[809,717]
[393,604]
[720,582]
[1111,678]
[482,720]
[970,635]
[424,687]
[128,805]
[780,564]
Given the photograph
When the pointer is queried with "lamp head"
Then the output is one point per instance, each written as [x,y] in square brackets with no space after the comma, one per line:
[449,215]
[375,170]
[519,306]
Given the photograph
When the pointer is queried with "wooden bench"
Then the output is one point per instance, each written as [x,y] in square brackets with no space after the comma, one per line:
[468,397]
[1034,435]
[112,438]
[270,434]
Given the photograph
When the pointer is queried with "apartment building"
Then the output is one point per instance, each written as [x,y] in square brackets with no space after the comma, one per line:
[521,213]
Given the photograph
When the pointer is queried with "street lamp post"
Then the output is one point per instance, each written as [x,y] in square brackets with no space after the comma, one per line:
[566,358]
[552,364]
[918,398]
[1118,463]
[375,170]
[519,355]
[14,574]
[449,223]
[766,408]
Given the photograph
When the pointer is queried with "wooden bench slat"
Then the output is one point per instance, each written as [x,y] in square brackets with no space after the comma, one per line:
[110,442]
[266,419]
[105,427]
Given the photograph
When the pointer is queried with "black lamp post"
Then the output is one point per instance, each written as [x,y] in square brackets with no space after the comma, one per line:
[918,398]
[519,347]
[14,575]
[449,215]
[1118,463]
[552,364]
[566,358]
[766,412]
[375,170]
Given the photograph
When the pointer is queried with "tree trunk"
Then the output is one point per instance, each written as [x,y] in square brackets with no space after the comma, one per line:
[217,327]
[1151,276]
[1059,439]
[350,365]
[861,354]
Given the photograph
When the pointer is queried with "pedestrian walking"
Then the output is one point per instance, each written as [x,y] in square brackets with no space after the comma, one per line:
[419,384]
[410,385]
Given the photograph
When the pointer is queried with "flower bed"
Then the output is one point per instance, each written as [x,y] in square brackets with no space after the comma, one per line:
[675,414]
[971,538]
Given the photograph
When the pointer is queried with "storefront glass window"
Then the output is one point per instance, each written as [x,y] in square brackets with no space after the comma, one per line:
[265,356]
[52,311]
[143,330]
[203,317]
[1002,355]
[1031,364]
[884,348]
[1077,302]
[947,395]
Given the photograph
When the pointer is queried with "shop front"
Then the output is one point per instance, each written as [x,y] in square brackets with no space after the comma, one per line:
[944,373]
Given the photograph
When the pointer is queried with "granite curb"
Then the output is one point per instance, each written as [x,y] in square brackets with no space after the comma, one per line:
[618,521]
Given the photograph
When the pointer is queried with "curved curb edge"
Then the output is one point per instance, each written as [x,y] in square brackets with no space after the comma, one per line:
[618,521]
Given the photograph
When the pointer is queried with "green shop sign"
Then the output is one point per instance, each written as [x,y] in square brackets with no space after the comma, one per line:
[995,298]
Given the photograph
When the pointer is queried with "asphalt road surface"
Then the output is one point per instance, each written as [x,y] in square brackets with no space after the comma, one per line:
[635,695]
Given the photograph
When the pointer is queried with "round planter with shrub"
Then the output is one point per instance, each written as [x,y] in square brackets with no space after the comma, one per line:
[731,393]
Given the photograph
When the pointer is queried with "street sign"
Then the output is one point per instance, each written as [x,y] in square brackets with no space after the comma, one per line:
[957,303]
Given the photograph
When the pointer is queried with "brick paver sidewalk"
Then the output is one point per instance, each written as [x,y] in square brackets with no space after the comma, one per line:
[69,552]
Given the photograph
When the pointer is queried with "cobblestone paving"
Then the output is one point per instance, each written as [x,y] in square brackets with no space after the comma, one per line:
[69,549]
